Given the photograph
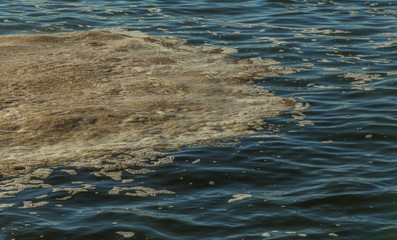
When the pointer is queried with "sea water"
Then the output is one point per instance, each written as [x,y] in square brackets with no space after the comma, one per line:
[327,171]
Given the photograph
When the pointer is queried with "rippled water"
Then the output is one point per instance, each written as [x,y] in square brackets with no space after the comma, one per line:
[328,174]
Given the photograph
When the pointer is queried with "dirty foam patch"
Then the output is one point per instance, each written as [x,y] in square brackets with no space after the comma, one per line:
[362,81]
[103,99]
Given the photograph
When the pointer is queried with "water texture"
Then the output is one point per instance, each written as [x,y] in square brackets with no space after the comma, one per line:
[327,171]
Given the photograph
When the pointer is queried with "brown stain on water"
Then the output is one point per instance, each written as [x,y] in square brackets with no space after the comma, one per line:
[71,98]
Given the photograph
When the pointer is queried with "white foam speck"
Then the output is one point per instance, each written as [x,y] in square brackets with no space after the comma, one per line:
[239,197]
[126,234]
[154,10]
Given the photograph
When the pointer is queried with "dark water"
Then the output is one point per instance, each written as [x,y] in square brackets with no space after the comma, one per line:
[333,177]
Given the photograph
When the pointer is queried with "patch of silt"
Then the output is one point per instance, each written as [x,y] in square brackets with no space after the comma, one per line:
[76,99]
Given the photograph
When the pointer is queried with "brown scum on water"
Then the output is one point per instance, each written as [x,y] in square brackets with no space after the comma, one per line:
[72,99]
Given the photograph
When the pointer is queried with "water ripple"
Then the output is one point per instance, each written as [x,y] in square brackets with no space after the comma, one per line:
[333,177]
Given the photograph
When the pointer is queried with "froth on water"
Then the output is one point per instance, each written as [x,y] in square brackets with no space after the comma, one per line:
[75,99]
